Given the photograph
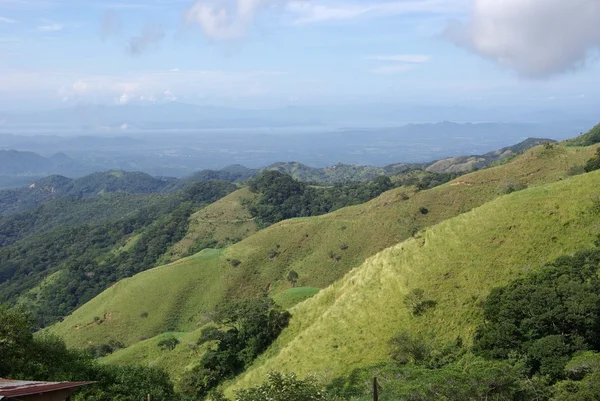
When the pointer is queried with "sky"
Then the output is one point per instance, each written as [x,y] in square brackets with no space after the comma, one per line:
[274,53]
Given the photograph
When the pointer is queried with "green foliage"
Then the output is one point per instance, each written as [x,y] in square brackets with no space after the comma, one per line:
[468,378]
[405,348]
[583,372]
[285,387]
[83,256]
[47,358]
[547,316]
[282,197]
[415,301]
[168,344]
[293,277]
[102,350]
[248,328]
[590,138]
[594,163]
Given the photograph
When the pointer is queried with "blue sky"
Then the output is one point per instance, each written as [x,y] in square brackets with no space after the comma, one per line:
[271,53]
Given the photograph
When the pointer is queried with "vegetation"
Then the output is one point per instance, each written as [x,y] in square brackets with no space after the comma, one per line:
[456,263]
[546,317]
[181,296]
[281,197]
[25,356]
[248,328]
[589,138]
[81,260]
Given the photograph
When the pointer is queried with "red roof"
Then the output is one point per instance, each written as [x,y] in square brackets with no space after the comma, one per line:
[17,388]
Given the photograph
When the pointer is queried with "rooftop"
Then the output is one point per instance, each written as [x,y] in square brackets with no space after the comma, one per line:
[18,388]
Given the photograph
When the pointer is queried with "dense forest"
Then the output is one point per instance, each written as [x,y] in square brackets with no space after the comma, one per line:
[282,197]
[76,263]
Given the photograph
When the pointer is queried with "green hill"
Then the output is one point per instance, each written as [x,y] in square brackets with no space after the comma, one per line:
[180,296]
[224,222]
[455,263]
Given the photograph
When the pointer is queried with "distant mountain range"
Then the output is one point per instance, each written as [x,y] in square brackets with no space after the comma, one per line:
[99,183]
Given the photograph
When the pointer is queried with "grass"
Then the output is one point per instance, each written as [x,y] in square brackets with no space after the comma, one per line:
[456,263]
[181,295]
[185,355]
[289,298]
[224,222]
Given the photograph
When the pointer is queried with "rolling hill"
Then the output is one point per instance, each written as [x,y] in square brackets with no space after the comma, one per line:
[179,296]
[455,263]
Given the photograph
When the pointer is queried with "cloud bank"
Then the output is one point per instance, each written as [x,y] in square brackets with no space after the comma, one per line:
[536,38]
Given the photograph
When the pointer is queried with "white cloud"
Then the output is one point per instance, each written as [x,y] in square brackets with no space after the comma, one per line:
[226,19]
[393,69]
[398,63]
[124,98]
[536,38]
[51,28]
[403,58]
[4,20]
[169,96]
[309,12]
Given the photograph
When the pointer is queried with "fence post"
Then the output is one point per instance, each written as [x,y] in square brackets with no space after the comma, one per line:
[375,390]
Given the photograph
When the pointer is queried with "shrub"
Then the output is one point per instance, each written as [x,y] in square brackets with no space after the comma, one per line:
[235,262]
[292,277]
[415,301]
[423,210]
[285,387]
[344,247]
[168,344]
[406,348]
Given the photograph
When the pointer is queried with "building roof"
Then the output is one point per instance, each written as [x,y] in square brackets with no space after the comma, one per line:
[18,388]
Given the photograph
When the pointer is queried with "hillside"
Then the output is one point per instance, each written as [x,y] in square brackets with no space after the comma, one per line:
[455,263]
[178,297]
[94,185]
[464,164]
[220,224]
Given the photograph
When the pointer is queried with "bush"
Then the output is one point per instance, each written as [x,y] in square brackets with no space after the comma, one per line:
[235,262]
[168,344]
[594,163]
[285,387]
[406,348]
[424,210]
[415,301]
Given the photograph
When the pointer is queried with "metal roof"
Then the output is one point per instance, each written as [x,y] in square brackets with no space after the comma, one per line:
[18,388]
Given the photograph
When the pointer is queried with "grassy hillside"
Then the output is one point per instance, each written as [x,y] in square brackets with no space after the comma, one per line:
[320,249]
[219,224]
[455,263]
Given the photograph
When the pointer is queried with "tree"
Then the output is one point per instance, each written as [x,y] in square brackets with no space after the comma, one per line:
[292,277]
[248,327]
[546,317]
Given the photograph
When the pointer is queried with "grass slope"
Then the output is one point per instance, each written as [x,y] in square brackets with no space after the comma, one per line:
[224,222]
[456,263]
[321,249]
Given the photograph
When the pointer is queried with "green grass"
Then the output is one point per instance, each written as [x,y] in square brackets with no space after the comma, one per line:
[226,221]
[147,353]
[456,263]
[289,298]
[181,295]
